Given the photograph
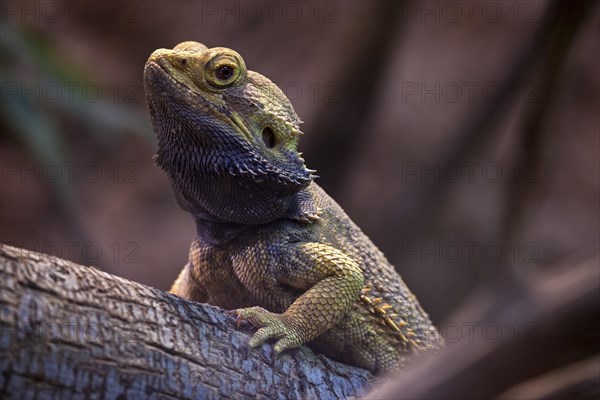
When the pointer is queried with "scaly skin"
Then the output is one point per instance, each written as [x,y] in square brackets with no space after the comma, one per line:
[270,242]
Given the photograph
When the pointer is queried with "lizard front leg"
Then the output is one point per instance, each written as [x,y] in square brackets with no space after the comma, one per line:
[332,281]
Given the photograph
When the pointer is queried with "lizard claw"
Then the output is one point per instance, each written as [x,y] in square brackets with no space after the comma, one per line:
[271,326]
[234,314]
[239,318]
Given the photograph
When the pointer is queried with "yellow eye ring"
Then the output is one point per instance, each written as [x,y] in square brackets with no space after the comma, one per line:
[224,70]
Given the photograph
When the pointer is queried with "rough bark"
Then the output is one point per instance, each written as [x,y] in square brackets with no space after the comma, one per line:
[69,332]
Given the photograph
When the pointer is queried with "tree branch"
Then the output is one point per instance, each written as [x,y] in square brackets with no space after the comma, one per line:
[69,331]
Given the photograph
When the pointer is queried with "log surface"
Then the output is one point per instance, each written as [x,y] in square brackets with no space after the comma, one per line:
[74,332]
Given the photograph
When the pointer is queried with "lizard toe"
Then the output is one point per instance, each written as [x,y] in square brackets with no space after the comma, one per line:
[271,326]
[289,341]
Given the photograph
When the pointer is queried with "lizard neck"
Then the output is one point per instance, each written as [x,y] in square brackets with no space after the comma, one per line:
[207,184]
[217,233]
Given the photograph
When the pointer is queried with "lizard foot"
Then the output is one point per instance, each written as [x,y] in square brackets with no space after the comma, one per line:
[271,326]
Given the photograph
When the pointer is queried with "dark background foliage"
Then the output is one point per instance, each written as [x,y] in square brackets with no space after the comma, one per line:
[462,137]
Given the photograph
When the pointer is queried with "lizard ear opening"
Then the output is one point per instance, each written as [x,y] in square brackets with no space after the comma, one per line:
[268,137]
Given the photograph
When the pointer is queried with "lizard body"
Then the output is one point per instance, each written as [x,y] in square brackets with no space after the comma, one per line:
[270,242]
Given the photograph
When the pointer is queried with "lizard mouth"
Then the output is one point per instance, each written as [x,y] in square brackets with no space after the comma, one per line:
[156,71]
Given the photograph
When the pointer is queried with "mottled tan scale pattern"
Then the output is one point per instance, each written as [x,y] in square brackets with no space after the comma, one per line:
[374,322]
[271,243]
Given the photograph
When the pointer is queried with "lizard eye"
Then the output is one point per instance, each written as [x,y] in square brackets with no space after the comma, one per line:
[268,137]
[225,72]
[224,69]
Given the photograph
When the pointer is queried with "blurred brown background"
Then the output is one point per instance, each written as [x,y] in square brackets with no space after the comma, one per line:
[463,138]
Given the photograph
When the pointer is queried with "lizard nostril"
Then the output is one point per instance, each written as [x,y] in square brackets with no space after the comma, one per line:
[183,62]
[268,136]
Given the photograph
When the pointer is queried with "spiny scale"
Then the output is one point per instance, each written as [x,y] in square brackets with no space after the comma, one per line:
[385,319]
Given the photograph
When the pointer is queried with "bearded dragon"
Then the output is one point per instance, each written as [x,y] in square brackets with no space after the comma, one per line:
[270,243]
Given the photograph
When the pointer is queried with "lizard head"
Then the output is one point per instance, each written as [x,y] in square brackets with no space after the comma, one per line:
[227,136]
